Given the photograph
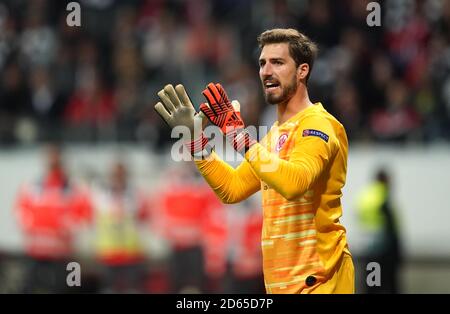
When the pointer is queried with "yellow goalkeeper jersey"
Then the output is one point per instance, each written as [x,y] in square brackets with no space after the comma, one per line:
[300,166]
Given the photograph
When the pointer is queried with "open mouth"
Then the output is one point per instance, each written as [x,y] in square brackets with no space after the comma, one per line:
[271,86]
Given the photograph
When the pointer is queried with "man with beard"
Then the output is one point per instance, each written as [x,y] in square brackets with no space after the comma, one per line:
[300,166]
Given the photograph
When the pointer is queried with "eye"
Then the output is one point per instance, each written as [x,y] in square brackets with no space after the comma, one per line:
[261,63]
[278,62]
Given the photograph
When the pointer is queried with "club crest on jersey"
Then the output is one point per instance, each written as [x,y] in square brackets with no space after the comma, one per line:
[281,140]
[311,132]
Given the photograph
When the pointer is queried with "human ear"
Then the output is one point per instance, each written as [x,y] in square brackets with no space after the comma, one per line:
[302,71]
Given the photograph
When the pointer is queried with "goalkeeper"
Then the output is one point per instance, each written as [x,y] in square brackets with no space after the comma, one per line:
[300,167]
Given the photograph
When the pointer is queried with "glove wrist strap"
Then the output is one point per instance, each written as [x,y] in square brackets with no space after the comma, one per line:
[200,148]
[241,140]
[197,145]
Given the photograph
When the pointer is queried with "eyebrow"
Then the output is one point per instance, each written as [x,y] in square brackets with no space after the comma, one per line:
[272,59]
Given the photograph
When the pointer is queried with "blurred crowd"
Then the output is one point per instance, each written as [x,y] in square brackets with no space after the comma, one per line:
[98,82]
[198,245]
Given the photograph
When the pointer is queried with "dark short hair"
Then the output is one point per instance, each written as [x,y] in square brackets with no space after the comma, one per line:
[301,48]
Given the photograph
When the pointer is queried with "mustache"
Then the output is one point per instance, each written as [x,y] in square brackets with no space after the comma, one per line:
[270,79]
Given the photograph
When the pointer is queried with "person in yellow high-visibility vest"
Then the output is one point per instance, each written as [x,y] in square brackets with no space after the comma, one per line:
[377,218]
[118,211]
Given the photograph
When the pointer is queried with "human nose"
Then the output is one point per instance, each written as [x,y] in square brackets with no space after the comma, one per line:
[265,70]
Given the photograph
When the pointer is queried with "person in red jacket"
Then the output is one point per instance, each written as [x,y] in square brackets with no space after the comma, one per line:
[245,268]
[215,234]
[183,217]
[48,212]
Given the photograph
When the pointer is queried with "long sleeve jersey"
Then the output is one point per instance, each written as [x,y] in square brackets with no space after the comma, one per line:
[300,167]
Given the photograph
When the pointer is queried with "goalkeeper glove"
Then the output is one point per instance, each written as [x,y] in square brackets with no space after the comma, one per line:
[227,117]
[179,111]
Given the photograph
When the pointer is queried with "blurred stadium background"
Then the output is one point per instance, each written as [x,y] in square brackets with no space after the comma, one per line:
[92,90]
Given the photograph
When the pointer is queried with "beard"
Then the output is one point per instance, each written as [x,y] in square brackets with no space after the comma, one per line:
[286,93]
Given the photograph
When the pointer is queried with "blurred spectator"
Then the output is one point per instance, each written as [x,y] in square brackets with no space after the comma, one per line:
[399,121]
[7,34]
[184,205]
[407,38]
[378,218]
[382,74]
[91,108]
[119,210]
[319,23]
[49,212]
[14,101]
[215,233]
[37,42]
[215,248]
[347,107]
[46,104]
[245,266]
